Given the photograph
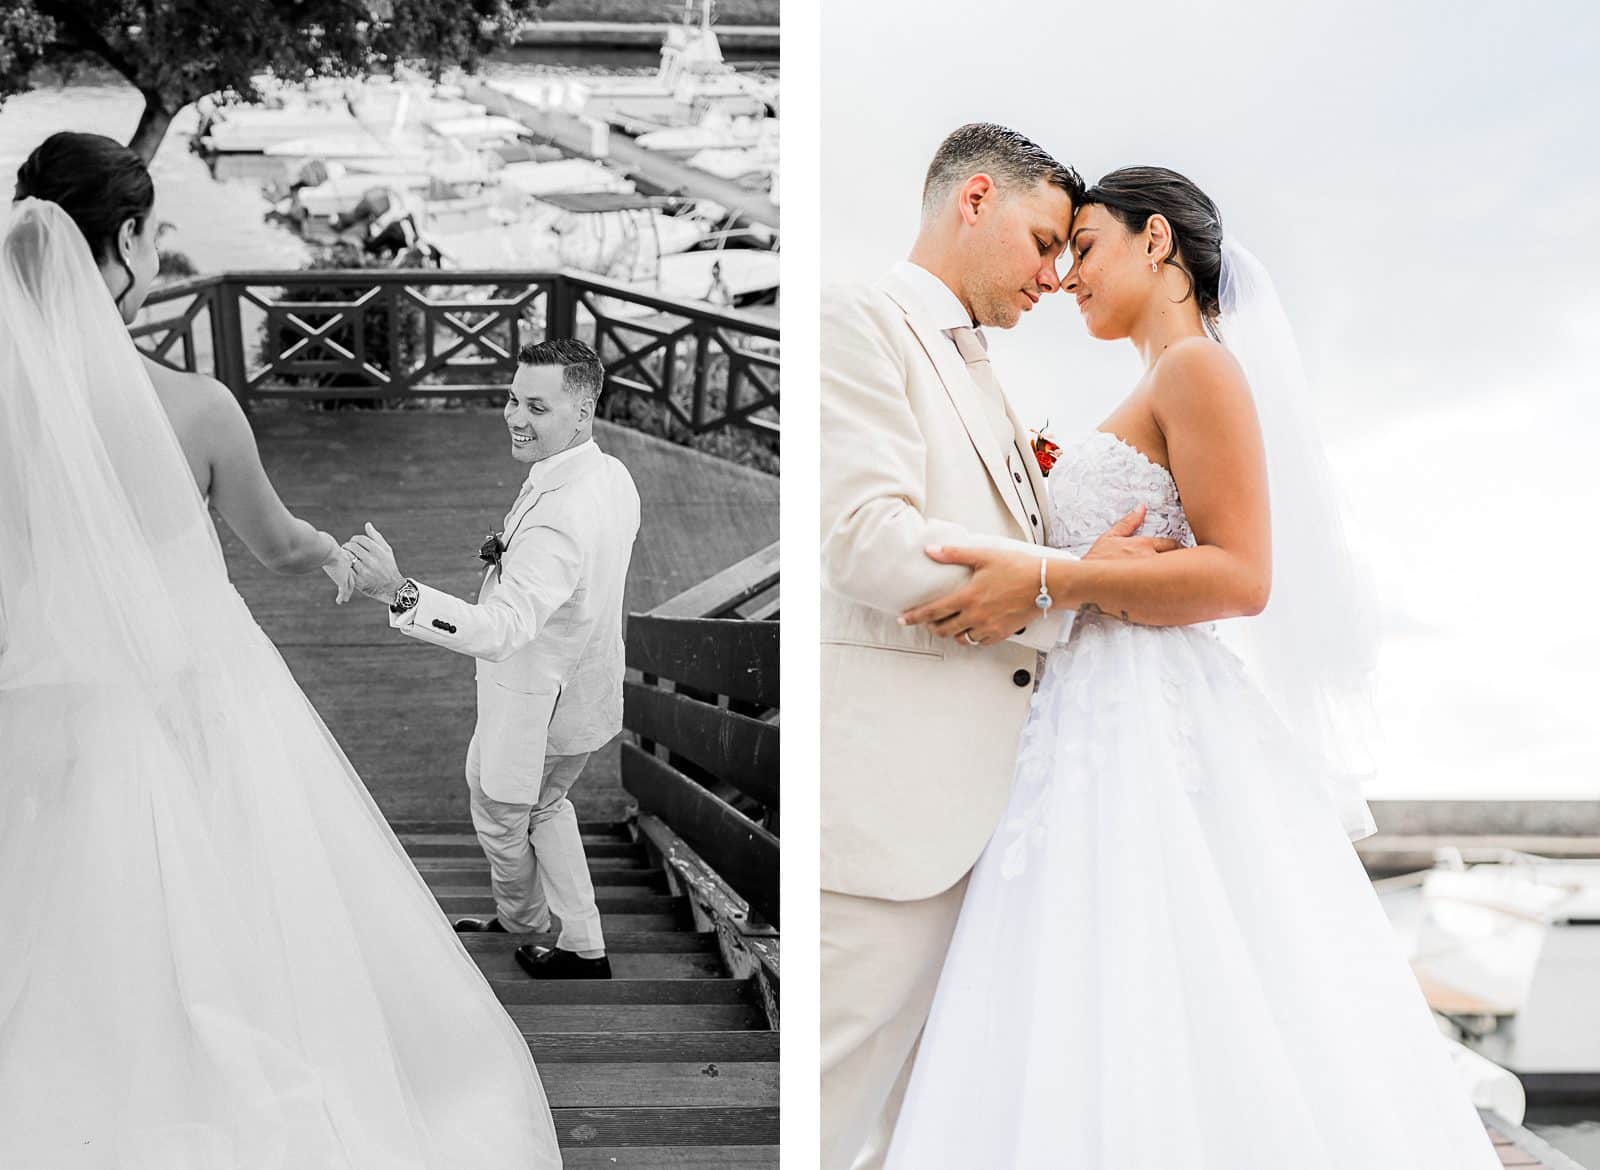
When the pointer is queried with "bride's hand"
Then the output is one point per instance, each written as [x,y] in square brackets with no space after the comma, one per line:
[1119,541]
[995,603]
[341,571]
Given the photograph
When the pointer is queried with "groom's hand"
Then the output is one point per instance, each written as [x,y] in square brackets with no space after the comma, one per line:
[377,576]
[1119,541]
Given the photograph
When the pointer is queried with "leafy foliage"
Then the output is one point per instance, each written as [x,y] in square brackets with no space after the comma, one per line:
[177,51]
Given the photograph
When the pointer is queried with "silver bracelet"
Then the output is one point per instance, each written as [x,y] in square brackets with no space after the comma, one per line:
[1043,601]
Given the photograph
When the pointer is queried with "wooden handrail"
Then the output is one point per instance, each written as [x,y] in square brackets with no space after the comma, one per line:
[721,593]
[393,334]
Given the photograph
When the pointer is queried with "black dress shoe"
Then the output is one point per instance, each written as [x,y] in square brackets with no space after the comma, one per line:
[555,963]
[476,925]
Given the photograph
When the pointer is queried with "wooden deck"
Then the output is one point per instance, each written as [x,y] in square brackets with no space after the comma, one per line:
[434,482]
[671,1063]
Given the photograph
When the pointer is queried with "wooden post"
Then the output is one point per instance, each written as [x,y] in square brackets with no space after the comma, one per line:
[702,371]
[561,308]
[227,345]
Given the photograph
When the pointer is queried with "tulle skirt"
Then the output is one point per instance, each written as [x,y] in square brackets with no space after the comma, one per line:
[214,955]
[1169,956]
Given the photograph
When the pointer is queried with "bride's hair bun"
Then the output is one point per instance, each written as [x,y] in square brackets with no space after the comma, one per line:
[1134,194]
[96,180]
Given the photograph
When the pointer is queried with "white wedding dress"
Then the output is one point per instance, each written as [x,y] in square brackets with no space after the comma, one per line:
[1169,956]
[214,954]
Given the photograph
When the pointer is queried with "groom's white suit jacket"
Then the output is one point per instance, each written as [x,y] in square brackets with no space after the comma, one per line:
[919,734]
[547,627]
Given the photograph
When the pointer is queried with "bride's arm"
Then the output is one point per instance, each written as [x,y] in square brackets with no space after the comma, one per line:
[1204,409]
[245,498]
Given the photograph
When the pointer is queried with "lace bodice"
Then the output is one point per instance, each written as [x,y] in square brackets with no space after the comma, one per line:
[1097,480]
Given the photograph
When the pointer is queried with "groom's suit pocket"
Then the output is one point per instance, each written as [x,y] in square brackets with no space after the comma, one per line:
[513,730]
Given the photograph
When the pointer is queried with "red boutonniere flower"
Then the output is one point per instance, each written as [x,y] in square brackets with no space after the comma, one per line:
[492,550]
[1044,450]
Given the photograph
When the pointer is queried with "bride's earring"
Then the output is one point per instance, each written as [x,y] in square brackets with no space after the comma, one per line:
[1152,266]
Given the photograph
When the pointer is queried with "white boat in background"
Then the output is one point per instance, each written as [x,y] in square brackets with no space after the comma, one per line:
[1510,951]
[248,130]
[353,146]
[340,193]
[567,176]
[389,102]
[479,131]
[497,246]
[756,163]
[716,131]
[617,235]
[725,278]
[692,78]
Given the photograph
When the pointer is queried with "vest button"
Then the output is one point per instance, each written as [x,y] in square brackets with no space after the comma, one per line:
[1017,475]
[1035,520]
[1022,678]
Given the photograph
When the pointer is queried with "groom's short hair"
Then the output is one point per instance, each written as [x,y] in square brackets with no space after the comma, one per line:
[1012,160]
[583,376]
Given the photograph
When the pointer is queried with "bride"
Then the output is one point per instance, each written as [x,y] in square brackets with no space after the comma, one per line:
[214,955]
[1169,956]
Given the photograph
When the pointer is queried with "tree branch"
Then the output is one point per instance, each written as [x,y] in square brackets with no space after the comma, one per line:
[70,17]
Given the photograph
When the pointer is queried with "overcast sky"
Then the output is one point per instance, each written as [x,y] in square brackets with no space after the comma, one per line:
[1422,180]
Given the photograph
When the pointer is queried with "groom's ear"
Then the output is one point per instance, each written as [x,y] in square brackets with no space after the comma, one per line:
[974,193]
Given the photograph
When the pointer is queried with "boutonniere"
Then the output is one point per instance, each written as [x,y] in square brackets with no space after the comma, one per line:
[492,550]
[1044,450]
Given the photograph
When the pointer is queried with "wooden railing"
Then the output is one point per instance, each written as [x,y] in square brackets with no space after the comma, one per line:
[704,769]
[394,334]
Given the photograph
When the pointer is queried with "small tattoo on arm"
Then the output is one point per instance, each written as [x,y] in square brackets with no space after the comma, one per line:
[1094,610]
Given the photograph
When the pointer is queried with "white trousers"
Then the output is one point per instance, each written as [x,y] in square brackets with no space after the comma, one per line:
[880,968]
[535,852]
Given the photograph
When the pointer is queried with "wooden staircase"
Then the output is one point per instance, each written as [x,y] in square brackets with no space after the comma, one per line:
[672,1062]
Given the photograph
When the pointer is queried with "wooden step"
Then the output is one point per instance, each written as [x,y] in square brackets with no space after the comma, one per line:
[632,1017]
[652,1047]
[466,846]
[464,886]
[623,991]
[671,1158]
[609,1086]
[463,830]
[609,899]
[614,869]
[610,921]
[499,966]
[709,1126]
[625,885]
[618,942]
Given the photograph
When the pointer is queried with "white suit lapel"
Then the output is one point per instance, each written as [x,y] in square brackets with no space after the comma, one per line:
[963,392]
[578,465]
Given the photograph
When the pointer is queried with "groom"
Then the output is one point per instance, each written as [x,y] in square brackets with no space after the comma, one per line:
[547,634]
[921,447]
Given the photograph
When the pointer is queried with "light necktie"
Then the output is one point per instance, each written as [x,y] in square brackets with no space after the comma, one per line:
[973,347]
[974,350]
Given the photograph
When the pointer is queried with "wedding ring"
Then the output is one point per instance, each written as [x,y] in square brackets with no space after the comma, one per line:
[966,636]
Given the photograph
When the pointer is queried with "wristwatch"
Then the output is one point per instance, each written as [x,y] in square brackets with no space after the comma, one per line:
[405,597]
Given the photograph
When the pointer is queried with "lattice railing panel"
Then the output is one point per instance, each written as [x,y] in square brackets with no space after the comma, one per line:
[394,334]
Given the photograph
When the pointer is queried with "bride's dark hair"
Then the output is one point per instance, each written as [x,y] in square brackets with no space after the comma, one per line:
[1134,194]
[96,180]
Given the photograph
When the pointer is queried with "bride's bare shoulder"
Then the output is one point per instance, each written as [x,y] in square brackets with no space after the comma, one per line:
[190,397]
[1197,371]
